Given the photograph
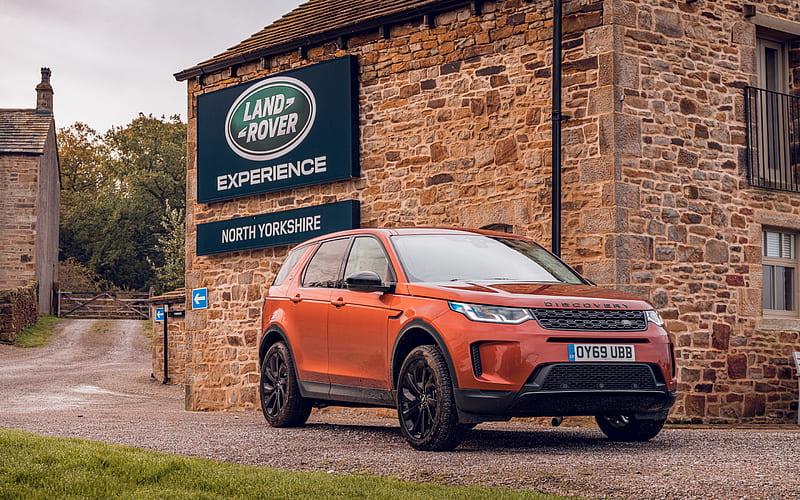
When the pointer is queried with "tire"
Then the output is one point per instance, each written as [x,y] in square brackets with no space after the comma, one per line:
[425,405]
[281,402]
[622,427]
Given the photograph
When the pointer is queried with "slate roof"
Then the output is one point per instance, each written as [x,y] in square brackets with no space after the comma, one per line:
[317,21]
[23,131]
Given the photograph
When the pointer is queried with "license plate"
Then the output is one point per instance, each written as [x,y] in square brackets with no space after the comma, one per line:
[601,352]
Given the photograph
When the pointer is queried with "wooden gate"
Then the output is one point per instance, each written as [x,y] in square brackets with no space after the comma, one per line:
[104,305]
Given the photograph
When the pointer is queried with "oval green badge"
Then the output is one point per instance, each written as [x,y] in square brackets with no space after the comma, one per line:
[270,118]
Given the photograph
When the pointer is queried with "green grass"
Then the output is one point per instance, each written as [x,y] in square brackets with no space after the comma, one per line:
[39,333]
[35,467]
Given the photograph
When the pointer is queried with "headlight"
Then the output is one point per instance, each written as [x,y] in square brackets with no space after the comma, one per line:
[653,317]
[492,314]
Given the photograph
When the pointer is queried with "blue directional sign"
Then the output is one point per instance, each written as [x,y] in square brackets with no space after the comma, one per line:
[200,298]
[160,314]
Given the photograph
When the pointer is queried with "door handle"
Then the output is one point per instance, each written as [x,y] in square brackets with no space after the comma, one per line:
[338,302]
[296,298]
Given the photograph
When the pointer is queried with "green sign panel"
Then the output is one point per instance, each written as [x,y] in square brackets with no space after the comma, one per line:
[277,228]
[292,129]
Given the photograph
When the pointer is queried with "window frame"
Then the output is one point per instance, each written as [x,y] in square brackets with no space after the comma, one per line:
[392,274]
[792,263]
[338,280]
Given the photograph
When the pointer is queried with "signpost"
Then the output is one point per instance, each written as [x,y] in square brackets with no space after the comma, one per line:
[160,314]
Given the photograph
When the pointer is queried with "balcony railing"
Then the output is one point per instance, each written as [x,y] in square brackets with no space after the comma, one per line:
[773,139]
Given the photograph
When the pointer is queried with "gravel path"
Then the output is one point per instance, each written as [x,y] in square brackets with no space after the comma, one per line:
[93,382]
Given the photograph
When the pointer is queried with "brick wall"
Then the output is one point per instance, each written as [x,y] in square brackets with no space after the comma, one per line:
[455,130]
[18,309]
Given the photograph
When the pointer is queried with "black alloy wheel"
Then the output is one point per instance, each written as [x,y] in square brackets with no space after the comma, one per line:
[281,402]
[425,405]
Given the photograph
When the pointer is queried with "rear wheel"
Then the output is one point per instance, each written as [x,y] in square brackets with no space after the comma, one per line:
[281,402]
[425,405]
[624,427]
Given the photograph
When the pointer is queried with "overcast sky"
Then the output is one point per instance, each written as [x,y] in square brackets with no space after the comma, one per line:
[112,59]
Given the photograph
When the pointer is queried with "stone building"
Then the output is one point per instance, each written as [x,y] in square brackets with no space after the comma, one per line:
[680,175]
[29,196]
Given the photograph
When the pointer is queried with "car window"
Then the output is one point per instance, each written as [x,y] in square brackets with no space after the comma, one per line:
[288,264]
[433,258]
[367,254]
[323,269]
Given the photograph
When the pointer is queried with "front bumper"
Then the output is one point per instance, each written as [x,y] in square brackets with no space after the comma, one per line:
[569,389]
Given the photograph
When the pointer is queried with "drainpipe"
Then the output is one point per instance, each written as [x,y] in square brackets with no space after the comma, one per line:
[556,139]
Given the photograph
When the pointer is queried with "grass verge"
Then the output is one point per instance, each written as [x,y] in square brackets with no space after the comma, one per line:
[36,467]
[39,333]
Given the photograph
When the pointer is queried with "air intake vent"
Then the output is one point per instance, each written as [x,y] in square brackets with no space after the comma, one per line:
[591,320]
[598,377]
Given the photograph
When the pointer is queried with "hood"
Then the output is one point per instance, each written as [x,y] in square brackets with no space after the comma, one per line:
[556,296]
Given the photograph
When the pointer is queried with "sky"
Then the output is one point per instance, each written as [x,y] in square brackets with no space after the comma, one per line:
[112,59]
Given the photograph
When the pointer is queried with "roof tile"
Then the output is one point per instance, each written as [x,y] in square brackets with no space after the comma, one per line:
[311,21]
[23,131]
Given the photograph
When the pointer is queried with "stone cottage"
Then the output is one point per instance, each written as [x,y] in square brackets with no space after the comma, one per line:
[29,197]
[680,167]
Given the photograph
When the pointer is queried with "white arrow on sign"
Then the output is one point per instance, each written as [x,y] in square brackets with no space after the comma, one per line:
[199,298]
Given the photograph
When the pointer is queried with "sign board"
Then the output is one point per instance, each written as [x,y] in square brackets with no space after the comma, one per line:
[200,298]
[291,129]
[797,363]
[160,314]
[276,228]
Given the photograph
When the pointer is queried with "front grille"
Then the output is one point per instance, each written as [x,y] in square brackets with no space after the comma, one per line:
[597,376]
[590,320]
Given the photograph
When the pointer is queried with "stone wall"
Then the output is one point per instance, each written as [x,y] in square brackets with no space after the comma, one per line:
[18,309]
[19,189]
[689,226]
[47,220]
[455,130]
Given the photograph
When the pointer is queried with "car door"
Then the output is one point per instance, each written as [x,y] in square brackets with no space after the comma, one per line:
[358,321]
[307,313]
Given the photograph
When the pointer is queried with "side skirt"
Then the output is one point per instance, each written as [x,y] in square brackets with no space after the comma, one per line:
[346,394]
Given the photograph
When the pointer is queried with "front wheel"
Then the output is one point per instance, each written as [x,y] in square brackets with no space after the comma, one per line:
[425,405]
[623,427]
[281,402]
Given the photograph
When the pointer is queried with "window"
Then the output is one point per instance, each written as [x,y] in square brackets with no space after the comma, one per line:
[288,264]
[367,255]
[323,269]
[779,267]
[772,116]
[500,228]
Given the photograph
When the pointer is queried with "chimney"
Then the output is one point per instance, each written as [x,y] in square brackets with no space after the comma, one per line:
[44,94]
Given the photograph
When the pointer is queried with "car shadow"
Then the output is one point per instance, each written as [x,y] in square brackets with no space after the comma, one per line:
[536,438]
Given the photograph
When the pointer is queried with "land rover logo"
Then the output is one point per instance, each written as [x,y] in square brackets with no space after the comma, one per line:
[270,118]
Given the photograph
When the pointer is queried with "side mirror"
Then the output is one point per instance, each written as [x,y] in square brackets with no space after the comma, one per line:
[366,281]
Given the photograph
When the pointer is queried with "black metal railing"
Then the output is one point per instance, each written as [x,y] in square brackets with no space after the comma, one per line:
[773,139]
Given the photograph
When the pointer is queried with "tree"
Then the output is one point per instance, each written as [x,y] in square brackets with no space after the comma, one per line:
[116,192]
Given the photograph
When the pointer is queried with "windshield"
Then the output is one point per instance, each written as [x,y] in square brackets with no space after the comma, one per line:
[475,257]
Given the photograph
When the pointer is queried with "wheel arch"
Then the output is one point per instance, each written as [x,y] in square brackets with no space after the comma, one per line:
[272,335]
[413,335]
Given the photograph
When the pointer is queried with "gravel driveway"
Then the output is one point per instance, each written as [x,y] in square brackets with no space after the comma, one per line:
[93,382]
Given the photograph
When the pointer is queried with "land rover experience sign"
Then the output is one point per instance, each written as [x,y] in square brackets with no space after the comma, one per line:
[293,129]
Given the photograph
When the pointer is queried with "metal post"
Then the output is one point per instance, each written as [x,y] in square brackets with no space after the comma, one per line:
[556,132]
[166,350]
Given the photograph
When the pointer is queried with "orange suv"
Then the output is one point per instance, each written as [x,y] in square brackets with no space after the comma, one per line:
[454,328]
